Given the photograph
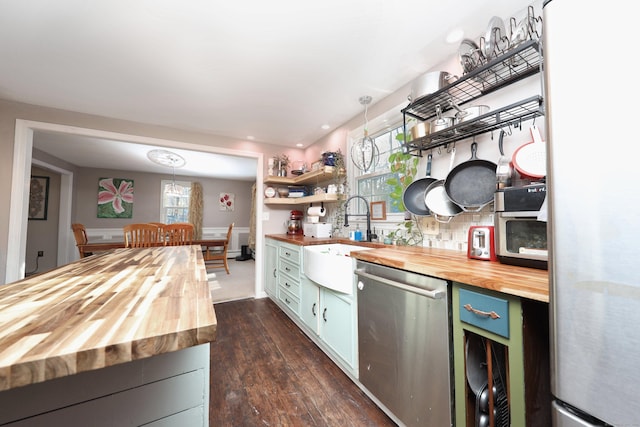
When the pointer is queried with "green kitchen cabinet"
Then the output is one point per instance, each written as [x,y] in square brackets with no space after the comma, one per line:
[289,268]
[271,267]
[330,316]
[508,336]
[338,324]
[310,304]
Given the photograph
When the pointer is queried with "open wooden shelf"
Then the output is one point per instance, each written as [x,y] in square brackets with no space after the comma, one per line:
[326,173]
[303,200]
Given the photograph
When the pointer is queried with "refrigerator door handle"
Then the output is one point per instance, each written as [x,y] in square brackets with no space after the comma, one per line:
[563,416]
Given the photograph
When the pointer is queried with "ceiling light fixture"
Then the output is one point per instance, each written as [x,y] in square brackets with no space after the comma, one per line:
[364,153]
[172,160]
[166,158]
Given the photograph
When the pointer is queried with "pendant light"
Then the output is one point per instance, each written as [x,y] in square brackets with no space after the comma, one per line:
[173,188]
[170,159]
[364,153]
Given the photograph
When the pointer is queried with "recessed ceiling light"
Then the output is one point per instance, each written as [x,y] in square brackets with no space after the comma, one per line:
[325,127]
[251,137]
[299,145]
[166,158]
[455,35]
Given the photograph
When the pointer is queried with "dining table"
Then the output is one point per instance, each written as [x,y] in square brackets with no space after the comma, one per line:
[98,247]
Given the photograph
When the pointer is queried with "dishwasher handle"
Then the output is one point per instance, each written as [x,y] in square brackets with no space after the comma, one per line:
[435,294]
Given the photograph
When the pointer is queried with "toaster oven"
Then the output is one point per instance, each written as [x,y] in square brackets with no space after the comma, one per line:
[520,237]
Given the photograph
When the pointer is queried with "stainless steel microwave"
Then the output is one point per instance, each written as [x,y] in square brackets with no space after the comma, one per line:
[521,239]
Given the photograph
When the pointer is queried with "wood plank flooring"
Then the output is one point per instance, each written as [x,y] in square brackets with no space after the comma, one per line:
[266,372]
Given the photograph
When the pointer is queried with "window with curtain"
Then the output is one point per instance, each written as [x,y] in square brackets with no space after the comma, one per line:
[174,201]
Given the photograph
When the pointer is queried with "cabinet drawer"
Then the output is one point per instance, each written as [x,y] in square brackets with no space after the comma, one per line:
[290,252]
[291,301]
[292,270]
[289,284]
[484,311]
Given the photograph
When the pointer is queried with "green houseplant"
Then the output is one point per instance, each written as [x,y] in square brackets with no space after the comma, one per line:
[408,233]
[404,167]
[337,160]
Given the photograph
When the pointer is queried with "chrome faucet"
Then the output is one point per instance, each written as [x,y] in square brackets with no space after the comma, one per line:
[368,215]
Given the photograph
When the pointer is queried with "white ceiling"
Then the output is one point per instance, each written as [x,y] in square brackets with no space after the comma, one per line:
[275,70]
[121,155]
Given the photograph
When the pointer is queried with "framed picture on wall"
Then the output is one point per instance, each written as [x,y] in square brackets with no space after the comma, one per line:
[38,197]
[115,198]
[378,210]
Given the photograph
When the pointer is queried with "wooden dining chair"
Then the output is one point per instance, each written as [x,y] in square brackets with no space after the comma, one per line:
[80,234]
[178,234]
[161,233]
[219,259]
[140,235]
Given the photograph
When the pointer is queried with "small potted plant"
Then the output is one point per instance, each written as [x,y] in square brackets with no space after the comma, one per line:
[408,233]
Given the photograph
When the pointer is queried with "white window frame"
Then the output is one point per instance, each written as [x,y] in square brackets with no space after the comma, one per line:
[163,208]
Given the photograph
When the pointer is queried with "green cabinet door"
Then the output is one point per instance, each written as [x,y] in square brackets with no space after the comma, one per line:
[271,267]
[310,304]
[338,324]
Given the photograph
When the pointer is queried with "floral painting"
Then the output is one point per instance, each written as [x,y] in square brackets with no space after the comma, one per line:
[227,201]
[115,198]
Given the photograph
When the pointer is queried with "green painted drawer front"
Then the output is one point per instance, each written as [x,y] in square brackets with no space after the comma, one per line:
[290,252]
[292,270]
[292,301]
[289,284]
[486,304]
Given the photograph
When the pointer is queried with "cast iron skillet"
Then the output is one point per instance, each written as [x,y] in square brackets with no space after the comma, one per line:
[413,196]
[471,184]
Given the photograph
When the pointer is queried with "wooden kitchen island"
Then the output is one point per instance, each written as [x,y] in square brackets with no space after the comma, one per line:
[118,338]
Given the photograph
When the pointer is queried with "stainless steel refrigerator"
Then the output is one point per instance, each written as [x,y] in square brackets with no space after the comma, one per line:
[591,100]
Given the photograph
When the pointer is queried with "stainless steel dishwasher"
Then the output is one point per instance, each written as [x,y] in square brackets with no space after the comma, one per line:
[403,343]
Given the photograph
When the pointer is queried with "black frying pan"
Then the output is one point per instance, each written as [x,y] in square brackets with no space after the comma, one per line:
[413,195]
[471,184]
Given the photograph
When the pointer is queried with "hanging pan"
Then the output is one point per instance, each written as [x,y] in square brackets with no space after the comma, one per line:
[504,171]
[530,159]
[436,199]
[413,196]
[472,184]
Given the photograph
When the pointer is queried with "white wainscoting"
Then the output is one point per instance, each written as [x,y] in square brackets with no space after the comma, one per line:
[239,236]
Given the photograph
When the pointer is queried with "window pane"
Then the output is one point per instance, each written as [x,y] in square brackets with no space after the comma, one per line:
[175,201]
[372,185]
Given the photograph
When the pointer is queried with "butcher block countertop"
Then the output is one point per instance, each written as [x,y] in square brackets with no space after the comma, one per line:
[451,265]
[103,310]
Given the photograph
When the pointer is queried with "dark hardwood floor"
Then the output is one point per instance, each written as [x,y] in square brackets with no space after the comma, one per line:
[266,372]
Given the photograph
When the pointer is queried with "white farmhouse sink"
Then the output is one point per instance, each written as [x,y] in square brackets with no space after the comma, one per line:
[331,265]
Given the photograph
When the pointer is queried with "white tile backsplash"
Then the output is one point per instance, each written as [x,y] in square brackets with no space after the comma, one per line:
[452,235]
